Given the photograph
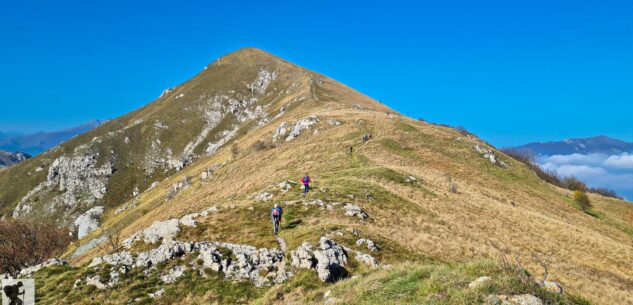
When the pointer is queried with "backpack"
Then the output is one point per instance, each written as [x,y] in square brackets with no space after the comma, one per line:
[306,179]
[275,212]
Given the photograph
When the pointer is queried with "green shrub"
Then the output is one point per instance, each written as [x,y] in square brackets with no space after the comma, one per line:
[582,199]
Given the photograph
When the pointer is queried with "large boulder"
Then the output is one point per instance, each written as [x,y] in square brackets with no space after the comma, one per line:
[331,259]
[88,221]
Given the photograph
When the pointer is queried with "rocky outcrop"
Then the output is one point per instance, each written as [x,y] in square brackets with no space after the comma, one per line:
[73,181]
[327,258]
[300,126]
[263,80]
[237,262]
[28,272]
[88,221]
[159,230]
[490,155]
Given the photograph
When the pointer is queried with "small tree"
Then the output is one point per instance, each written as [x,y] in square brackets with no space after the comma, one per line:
[235,150]
[573,184]
[114,238]
[582,199]
[24,244]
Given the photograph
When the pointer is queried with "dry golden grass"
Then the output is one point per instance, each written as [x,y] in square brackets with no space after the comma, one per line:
[592,255]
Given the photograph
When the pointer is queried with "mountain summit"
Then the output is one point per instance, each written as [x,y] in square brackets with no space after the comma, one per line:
[171,203]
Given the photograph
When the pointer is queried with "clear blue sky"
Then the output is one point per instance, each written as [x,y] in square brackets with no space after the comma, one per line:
[510,71]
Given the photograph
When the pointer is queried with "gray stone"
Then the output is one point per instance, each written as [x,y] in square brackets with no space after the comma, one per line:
[371,246]
[88,221]
[28,272]
[173,274]
[354,211]
[479,282]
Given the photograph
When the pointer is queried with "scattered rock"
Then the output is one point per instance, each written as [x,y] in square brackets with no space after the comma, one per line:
[522,299]
[411,179]
[189,220]
[488,154]
[178,186]
[334,122]
[156,294]
[208,211]
[264,196]
[479,282]
[354,210]
[284,186]
[553,287]
[370,244]
[28,272]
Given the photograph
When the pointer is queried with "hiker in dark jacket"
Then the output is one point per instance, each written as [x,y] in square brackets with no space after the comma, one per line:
[276,214]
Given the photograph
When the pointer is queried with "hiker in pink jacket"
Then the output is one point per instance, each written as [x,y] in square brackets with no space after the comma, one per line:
[306,183]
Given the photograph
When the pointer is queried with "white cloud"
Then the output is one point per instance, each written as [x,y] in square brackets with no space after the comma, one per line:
[624,161]
[597,170]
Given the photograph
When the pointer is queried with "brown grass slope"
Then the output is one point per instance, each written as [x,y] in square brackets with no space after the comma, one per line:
[422,222]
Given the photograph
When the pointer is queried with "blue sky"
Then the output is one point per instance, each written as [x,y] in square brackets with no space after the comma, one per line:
[511,71]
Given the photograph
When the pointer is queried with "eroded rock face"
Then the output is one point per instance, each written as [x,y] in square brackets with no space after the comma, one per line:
[88,221]
[173,274]
[79,180]
[303,257]
[263,80]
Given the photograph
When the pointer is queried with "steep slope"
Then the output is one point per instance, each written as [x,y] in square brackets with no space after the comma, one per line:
[42,141]
[424,194]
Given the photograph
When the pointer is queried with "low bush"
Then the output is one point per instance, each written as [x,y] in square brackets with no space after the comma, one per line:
[582,199]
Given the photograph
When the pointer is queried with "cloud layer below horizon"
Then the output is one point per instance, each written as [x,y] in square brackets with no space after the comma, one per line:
[597,170]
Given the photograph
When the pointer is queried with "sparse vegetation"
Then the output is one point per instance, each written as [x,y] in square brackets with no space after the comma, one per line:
[574,184]
[582,199]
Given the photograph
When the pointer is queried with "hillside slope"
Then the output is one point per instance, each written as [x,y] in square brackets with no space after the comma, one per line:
[226,145]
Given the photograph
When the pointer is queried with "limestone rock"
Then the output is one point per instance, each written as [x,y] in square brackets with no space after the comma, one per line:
[355,211]
[370,244]
[303,257]
[173,274]
[553,287]
[490,155]
[479,282]
[88,221]
[300,126]
[331,259]
[28,272]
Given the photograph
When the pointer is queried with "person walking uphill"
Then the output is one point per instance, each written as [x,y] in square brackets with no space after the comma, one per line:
[306,183]
[276,214]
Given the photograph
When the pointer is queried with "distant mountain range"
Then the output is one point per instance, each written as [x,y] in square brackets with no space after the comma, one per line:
[9,158]
[36,143]
[594,145]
